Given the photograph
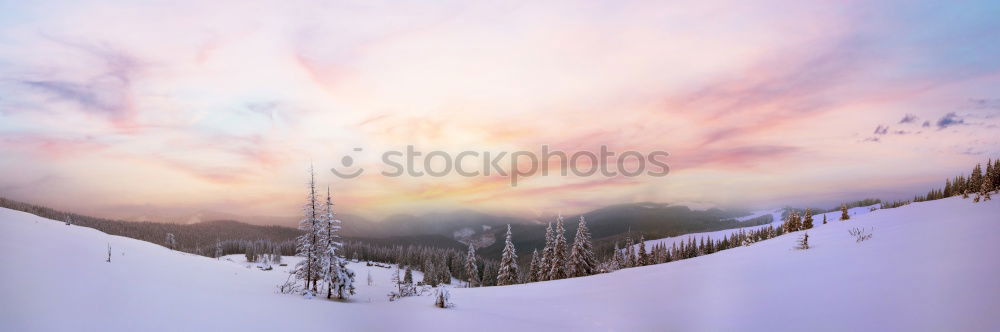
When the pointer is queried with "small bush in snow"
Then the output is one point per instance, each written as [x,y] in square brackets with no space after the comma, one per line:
[290,286]
[442,299]
[860,234]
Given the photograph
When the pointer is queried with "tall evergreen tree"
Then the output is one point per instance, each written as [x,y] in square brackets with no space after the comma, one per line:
[581,257]
[976,178]
[616,258]
[996,174]
[338,278]
[824,219]
[471,271]
[643,255]
[171,241]
[984,190]
[218,248]
[629,259]
[508,263]
[558,268]
[808,222]
[489,274]
[308,244]
[534,269]
[430,273]
[792,224]
[546,263]
[843,212]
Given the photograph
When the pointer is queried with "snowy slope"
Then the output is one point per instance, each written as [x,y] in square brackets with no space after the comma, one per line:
[776,217]
[929,267]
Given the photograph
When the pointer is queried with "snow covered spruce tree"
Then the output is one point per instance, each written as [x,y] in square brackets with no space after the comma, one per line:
[807,223]
[843,212]
[430,273]
[533,269]
[581,256]
[643,258]
[546,263]
[617,260]
[218,248]
[471,271]
[308,244]
[792,224]
[557,269]
[338,278]
[171,241]
[508,263]
[984,189]
[629,259]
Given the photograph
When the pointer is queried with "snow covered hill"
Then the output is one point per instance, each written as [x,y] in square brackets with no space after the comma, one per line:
[929,267]
[776,221]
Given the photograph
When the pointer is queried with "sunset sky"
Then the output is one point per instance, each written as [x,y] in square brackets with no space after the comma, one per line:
[156,109]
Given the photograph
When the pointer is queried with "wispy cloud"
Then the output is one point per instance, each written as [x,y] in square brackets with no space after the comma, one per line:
[948,120]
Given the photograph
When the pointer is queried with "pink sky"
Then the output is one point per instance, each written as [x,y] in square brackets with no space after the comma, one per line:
[150,109]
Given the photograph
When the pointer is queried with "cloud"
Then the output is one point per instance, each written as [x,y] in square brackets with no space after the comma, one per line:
[104,88]
[985,103]
[950,119]
[881,130]
[909,118]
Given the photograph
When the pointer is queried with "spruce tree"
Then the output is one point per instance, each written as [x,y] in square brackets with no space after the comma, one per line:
[824,219]
[616,258]
[843,212]
[643,256]
[333,269]
[996,175]
[443,272]
[792,224]
[471,272]
[534,269]
[508,263]
[581,257]
[546,263]
[218,248]
[489,274]
[171,241]
[558,268]
[308,245]
[430,273]
[808,222]
[976,178]
[408,278]
[984,190]
[629,259]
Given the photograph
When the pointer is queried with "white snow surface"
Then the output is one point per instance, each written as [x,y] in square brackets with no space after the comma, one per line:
[776,222]
[930,266]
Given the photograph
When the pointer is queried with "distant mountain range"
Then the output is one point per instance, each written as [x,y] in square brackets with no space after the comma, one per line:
[453,229]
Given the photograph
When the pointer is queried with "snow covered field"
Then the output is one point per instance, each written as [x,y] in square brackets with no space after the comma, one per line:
[776,221]
[929,267]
